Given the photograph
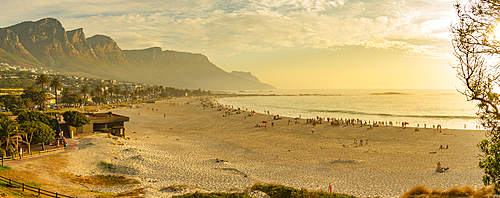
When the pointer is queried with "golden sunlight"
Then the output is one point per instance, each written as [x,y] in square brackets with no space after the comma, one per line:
[496,32]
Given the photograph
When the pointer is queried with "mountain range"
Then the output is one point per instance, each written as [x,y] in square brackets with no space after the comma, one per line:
[45,43]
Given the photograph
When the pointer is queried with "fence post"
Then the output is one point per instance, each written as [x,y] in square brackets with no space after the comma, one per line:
[23,187]
[10,182]
[38,191]
[2,160]
[56,194]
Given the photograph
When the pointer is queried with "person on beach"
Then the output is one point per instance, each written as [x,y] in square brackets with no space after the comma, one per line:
[312,131]
[440,169]
[20,153]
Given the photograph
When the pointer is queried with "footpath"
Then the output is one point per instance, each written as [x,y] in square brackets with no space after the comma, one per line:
[72,146]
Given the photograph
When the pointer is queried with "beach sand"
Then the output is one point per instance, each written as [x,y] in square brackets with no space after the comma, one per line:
[182,148]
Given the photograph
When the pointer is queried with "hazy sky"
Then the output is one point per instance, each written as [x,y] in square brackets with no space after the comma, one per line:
[291,44]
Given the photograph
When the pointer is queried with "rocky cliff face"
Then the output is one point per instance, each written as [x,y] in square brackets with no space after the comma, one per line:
[9,41]
[46,42]
[80,43]
[45,39]
[106,49]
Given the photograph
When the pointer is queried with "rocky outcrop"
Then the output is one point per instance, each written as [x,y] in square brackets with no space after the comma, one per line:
[106,49]
[45,39]
[77,39]
[9,41]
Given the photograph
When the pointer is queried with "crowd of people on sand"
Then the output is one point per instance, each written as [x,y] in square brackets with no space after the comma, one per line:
[335,122]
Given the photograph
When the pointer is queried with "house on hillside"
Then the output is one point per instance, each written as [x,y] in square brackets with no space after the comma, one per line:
[99,122]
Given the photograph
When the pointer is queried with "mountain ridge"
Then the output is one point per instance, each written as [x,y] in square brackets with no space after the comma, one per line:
[46,43]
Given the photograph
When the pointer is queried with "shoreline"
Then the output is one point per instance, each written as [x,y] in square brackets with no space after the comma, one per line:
[196,146]
[397,119]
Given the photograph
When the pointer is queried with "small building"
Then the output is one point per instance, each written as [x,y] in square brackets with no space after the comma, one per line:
[99,122]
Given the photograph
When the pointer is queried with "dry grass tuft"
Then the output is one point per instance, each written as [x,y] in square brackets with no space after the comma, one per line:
[419,190]
[103,180]
[468,191]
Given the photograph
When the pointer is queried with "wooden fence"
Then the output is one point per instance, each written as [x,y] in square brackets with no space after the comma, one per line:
[12,183]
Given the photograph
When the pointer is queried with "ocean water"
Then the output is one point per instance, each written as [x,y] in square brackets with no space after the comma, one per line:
[448,108]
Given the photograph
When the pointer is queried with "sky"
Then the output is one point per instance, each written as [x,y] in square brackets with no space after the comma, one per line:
[291,44]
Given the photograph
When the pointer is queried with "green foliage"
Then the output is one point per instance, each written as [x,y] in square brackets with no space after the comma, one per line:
[4,168]
[2,153]
[9,151]
[14,102]
[107,165]
[280,191]
[38,131]
[38,97]
[31,116]
[99,100]
[17,111]
[9,135]
[73,98]
[476,50]
[75,118]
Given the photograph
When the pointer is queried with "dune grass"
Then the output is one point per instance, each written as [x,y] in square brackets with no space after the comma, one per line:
[214,195]
[104,180]
[281,191]
[422,191]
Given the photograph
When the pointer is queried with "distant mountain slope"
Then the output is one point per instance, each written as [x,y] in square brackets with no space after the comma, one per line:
[246,75]
[46,43]
[173,66]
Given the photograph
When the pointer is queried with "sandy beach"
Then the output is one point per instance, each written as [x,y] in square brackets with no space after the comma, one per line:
[199,147]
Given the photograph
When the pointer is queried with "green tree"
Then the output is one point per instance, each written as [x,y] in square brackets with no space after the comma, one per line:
[10,136]
[32,116]
[38,97]
[84,90]
[55,83]
[73,98]
[42,79]
[99,100]
[37,132]
[76,119]
[475,47]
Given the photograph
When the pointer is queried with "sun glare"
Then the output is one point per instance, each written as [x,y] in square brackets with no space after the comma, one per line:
[496,32]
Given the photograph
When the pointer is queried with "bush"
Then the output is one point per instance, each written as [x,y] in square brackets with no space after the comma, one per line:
[10,152]
[107,165]
[19,111]
[419,190]
[214,195]
[2,153]
[280,191]
[422,191]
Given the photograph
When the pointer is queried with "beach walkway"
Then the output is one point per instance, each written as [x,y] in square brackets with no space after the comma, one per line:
[72,146]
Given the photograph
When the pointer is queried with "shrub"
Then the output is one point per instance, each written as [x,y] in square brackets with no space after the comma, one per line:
[10,151]
[214,195]
[107,165]
[280,191]
[2,153]
[419,190]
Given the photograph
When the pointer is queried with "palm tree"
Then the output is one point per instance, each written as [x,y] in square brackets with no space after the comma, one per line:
[55,83]
[42,79]
[111,90]
[117,91]
[10,136]
[98,90]
[66,91]
[84,90]
[40,98]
